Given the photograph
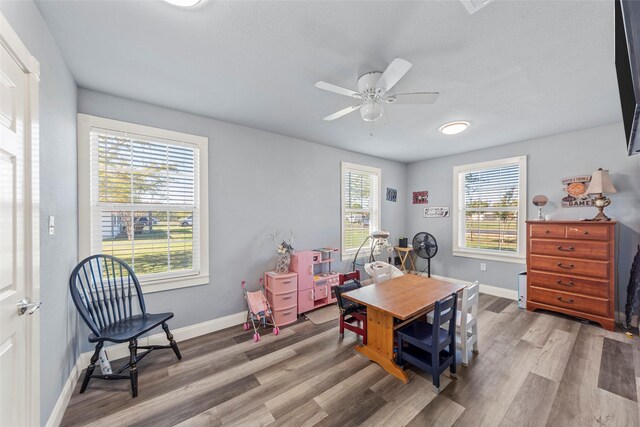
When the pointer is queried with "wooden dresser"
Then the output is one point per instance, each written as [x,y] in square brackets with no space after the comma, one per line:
[571,269]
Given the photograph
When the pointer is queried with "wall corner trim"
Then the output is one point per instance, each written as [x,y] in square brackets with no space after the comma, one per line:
[122,350]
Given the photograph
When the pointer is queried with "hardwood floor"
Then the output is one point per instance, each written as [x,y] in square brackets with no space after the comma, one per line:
[533,369]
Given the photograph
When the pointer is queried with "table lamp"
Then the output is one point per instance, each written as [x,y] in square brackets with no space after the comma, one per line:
[601,184]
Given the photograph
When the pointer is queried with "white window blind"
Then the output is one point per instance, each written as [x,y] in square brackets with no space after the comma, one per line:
[145,202]
[360,204]
[490,207]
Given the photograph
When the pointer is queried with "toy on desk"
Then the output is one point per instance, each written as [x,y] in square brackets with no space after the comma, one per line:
[258,311]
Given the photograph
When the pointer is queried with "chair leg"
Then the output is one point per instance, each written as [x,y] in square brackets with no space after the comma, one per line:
[464,340]
[172,342]
[341,326]
[91,367]
[474,332]
[452,351]
[133,350]
[435,366]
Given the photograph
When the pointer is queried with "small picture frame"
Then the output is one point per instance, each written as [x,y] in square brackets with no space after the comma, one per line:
[392,194]
[420,197]
[436,212]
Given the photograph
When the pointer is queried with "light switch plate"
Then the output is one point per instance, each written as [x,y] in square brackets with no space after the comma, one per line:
[483,266]
[52,225]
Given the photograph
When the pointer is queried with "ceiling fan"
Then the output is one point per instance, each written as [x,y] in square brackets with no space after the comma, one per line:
[373,88]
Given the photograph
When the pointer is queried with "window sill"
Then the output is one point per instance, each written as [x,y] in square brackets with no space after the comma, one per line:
[161,285]
[516,259]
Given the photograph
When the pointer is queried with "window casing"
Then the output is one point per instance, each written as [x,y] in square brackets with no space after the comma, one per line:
[489,210]
[143,198]
[360,215]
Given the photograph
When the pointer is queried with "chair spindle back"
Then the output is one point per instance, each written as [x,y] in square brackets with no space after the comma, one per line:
[105,290]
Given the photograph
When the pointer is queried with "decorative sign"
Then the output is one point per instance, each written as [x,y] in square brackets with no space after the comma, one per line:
[420,197]
[436,212]
[576,189]
[392,194]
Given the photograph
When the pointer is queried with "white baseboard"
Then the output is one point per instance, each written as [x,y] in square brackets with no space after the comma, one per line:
[485,289]
[122,350]
[65,395]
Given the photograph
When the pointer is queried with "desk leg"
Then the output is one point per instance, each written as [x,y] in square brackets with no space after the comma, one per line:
[379,346]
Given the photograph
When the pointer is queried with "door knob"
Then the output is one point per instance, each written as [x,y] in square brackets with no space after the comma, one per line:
[26,306]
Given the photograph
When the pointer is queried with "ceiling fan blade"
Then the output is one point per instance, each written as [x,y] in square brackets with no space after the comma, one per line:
[342,112]
[394,72]
[337,89]
[413,98]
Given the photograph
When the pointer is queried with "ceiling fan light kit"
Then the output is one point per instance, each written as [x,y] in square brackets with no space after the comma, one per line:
[373,88]
[454,128]
[183,3]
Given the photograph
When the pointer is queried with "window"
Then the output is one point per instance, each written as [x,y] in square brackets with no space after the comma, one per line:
[143,198]
[360,206]
[490,209]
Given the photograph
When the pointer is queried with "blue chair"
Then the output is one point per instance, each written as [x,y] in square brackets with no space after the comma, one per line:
[106,292]
[429,346]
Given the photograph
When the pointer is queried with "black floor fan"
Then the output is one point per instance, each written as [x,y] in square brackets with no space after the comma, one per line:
[425,247]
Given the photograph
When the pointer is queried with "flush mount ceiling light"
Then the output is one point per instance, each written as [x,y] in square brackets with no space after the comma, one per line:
[183,3]
[453,128]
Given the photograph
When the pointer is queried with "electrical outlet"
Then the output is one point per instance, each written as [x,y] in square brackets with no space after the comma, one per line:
[483,266]
[52,225]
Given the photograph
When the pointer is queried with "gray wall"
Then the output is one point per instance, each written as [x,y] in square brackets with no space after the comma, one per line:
[548,161]
[58,95]
[257,181]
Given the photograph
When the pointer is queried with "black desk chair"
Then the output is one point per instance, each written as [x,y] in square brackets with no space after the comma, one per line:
[106,292]
[430,347]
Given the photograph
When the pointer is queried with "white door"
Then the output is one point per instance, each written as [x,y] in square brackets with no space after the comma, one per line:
[17,330]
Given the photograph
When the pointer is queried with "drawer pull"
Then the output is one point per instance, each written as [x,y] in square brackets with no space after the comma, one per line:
[585,232]
[287,281]
[289,312]
[546,232]
[568,301]
[560,282]
[561,265]
[289,297]
[568,249]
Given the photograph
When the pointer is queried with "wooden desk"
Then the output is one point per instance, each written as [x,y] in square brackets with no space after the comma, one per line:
[404,298]
[403,254]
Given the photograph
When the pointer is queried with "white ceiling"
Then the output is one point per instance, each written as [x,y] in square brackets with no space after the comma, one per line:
[515,69]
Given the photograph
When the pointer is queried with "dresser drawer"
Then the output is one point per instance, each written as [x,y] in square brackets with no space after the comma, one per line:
[547,230]
[283,300]
[596,306]
[282,284]
[588,232]
[595,269]
[592,288]
[572,249]
[285,316]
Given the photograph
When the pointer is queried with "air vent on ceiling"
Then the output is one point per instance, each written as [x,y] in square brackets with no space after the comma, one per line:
[475,5]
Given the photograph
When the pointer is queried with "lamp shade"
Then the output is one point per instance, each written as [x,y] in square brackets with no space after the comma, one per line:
[601,183]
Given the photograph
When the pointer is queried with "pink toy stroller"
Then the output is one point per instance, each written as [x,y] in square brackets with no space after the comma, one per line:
[259,311]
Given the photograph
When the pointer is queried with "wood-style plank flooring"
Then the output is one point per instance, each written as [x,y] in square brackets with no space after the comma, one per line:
[534,369]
